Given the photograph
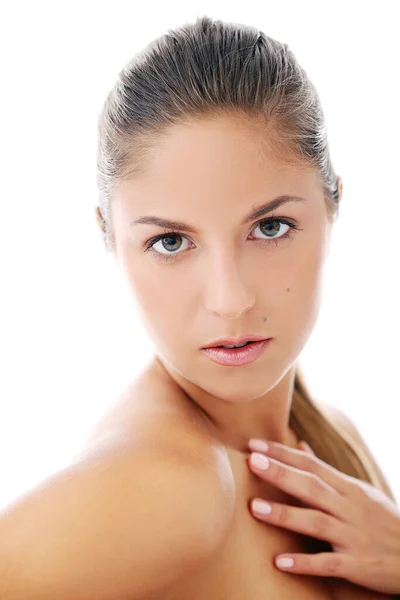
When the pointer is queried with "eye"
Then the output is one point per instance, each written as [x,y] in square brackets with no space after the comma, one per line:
[171,241]
[271,227]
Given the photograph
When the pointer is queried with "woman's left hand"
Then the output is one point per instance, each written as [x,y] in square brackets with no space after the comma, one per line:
[360,521]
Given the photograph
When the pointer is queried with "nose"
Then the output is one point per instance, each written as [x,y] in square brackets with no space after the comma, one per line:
[227,293]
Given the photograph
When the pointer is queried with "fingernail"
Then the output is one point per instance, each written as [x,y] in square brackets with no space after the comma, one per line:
[259,461]
[284,562]
[261,507]
[258,445]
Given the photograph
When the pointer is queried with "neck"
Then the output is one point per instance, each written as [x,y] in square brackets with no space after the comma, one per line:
[239,408]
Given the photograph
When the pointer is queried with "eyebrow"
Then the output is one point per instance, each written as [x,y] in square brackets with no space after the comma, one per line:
[260,211]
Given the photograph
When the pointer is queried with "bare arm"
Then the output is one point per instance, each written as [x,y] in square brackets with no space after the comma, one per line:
[119,525]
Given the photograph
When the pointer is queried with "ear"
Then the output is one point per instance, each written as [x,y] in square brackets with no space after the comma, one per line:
[340,187]
[330,225]
[99,218]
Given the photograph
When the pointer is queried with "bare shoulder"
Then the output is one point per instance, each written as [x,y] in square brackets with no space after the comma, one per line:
[338,417]
[344,423]
[151,419]
[149,495]
[122,509]
[151,414]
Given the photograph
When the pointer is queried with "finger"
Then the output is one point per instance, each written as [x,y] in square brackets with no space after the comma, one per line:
[323,564]
[303,445]
[343,483]
[301,484]
[307,521]
[376,574]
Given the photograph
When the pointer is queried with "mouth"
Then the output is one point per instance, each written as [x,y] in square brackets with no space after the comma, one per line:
[246,353]
[233,347]
[231,344]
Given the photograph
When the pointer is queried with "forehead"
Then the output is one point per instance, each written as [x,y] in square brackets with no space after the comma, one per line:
[216,160]
[217,147]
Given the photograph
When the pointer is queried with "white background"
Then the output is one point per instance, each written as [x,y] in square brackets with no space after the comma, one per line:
[70,339]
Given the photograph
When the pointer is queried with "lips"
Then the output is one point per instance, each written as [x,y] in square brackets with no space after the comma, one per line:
[238,357]
[236,342]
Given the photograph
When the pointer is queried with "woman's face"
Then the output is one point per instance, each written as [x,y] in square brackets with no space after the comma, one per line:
[229,276]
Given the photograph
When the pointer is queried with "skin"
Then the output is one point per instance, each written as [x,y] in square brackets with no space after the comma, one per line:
[229,279]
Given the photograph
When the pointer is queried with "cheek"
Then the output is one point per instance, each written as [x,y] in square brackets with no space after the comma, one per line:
[302,293]
[163,302]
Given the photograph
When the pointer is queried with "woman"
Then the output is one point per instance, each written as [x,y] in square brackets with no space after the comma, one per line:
[217,199]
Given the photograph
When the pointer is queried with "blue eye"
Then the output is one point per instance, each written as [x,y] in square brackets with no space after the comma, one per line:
[169,238]
[169,242]
[273,229]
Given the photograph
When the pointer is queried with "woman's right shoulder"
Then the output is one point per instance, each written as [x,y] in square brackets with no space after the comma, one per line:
[152,420]
[153,413]
[156,507]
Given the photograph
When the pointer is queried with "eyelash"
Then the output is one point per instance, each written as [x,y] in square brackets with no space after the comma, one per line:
[169,233]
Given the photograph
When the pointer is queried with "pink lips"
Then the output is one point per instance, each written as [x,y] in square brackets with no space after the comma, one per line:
[235,342]
[236,357]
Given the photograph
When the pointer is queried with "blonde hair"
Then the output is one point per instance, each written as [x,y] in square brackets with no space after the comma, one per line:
[330,441]
[205,69]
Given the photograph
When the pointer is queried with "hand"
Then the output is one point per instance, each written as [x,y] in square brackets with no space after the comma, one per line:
[360,521]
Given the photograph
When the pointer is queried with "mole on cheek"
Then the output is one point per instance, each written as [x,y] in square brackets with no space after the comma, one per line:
[288,289]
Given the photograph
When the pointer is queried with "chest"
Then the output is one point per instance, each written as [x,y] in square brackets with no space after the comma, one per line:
[243,566]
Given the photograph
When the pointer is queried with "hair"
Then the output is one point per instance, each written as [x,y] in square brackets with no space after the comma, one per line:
[208,69]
